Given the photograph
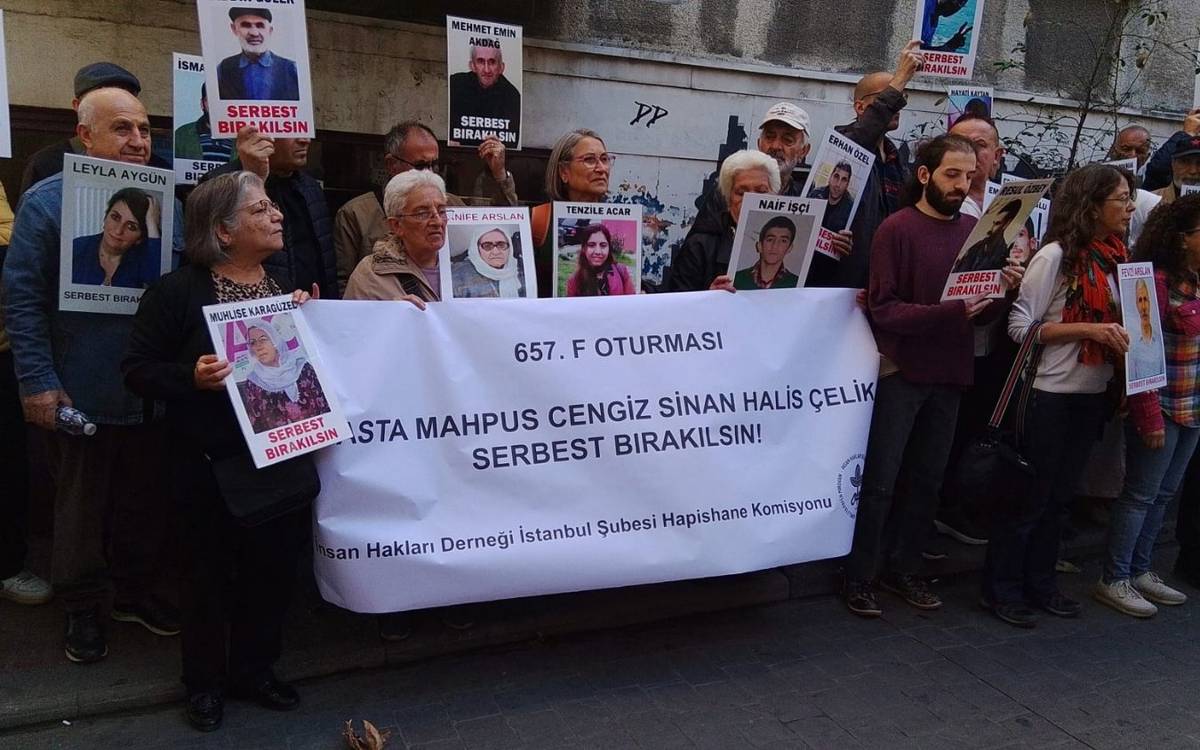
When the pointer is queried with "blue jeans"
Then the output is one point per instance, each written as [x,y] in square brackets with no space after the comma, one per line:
[1152,479]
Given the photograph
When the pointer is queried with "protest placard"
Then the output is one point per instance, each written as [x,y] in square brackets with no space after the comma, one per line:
[775,240]
[5,126]
[597,249]
[117,224]
[488,253]
[541,448]
[949,34]
[1129,165]
[256,67]
[1145,362]
[1029,239]
[278,387]
[967,100]
[483,78]
[1188,189]
[976,270]
[197,151]
[840,171]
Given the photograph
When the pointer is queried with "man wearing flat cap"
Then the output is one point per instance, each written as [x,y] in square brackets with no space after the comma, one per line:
[257,72]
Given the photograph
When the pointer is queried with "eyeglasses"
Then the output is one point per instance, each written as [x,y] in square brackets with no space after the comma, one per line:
[1128,199]
[1190,232]
[259,340]
[487,247]
[262,206]
[425,214]
[421,166]
[591,161]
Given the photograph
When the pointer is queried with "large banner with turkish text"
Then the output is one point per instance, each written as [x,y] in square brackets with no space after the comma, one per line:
[509,448]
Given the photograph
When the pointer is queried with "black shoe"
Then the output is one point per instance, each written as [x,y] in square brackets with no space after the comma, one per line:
[956,525]
[1060,606]
[395,626]
[268,692]
[85,638]
[912,590]
[1017,614]
[860,599]
[205,709]
[152,613]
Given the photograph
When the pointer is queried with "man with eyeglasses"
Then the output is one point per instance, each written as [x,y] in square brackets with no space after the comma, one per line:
[878,99]
[110,491]
[307,257]
[361,222]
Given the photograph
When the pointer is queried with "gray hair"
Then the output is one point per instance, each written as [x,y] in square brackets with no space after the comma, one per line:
[499,52]
[395,139]
[395,195]
[740,161]
[215,203]
[556,189]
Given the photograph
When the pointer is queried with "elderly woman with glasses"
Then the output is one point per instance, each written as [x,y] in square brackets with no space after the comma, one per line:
[404,266]
[578,170]
[237,578]
[490,267]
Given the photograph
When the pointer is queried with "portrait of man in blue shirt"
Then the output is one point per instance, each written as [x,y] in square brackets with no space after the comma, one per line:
[257,72]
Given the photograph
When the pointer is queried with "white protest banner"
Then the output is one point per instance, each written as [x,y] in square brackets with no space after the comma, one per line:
[278,386]
[484,76]
[1041,222]
[5,125]
[535,447]
[597,249]
[774,242]
[967,100]
[197,151]
[117,225]
[840,171]
[976,270]
[1145,362]
[949,34]
[256,65]
[488,253]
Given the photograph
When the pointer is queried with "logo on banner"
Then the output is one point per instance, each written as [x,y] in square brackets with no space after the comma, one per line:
[849,484]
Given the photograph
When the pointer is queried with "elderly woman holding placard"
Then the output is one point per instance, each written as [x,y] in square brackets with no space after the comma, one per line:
[404,266]
[702,261]
[242,542]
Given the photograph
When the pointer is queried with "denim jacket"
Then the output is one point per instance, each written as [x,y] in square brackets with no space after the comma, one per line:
[77,352]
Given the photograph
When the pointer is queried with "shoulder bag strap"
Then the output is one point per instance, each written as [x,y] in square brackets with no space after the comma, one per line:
[1026,360]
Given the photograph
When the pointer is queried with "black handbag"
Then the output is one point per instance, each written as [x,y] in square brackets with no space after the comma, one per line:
[255,496]
[991,472]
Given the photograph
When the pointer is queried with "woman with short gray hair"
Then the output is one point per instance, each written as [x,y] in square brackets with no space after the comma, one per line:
[232,613]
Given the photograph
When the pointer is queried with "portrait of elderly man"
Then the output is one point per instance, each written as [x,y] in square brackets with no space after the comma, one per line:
[491,267]
[484,91]
[256,72]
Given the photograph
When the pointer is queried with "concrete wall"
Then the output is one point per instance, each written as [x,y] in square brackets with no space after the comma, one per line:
[714,66]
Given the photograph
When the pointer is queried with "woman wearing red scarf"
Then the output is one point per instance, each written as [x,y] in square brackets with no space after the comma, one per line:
[1070,288]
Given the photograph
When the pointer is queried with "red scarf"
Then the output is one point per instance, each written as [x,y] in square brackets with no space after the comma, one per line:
[1089,296]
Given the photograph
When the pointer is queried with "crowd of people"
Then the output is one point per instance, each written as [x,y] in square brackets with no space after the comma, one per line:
[260,226]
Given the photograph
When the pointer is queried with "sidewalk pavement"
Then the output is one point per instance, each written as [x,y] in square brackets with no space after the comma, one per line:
[38,684]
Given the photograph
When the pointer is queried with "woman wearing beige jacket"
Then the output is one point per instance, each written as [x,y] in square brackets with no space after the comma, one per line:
[404,266]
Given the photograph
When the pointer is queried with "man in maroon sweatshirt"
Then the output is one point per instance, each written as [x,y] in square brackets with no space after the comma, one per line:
[928,353]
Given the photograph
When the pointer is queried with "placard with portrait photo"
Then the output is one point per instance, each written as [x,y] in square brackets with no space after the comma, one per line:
[5,121]
[988,248]
[488,254]
[484,79]
[197,151]
[597,249]
[949,34]
[278,387]
[775,240]
[256,67]
[117,229]
[975,101]
[1146,361]
[839,175]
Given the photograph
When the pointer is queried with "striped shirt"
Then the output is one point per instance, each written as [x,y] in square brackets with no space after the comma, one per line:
[1179,400]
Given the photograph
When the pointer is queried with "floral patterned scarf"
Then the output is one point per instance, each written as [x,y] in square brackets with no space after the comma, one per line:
[1089,296]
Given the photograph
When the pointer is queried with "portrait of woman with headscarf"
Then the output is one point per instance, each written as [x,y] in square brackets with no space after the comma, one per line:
[282,386]
[128,250]
[491,266]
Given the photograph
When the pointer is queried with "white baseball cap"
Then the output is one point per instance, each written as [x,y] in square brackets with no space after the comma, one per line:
[787,113]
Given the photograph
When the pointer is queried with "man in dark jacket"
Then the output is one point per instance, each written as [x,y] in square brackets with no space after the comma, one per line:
[878,99]
[1159,173]
[307,257]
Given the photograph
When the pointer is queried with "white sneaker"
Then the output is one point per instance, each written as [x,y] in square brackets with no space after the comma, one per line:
[1123,597]
[1150,586]
[26,588]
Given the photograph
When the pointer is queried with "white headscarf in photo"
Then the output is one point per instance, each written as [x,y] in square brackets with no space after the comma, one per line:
[509,276]
[286,376]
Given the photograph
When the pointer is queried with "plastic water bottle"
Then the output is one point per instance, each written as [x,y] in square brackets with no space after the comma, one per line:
[73,422]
